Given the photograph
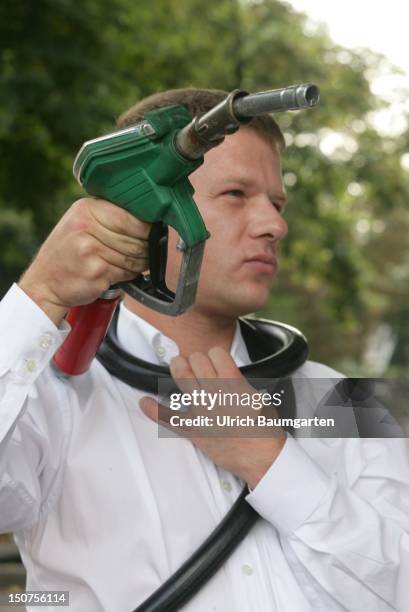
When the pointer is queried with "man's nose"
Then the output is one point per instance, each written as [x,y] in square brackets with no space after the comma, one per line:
[267,220]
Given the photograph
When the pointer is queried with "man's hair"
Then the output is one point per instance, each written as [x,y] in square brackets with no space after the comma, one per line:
[197,102]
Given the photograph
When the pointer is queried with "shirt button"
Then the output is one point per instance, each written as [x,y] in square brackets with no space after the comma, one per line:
[226,485]
[161,351]
[31,365]
[45,341]
[247,569]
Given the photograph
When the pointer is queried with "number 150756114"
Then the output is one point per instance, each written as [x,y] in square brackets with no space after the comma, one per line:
[36,598]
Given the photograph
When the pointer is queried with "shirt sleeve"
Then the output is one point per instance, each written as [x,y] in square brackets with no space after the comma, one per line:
[349,529]
[29,432]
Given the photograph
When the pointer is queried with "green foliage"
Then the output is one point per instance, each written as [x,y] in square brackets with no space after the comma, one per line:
[67,69]
[59,84]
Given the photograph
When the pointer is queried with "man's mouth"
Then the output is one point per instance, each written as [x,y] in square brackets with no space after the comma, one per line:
[266,264]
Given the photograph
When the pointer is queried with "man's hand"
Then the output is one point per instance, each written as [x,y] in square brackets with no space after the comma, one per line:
[247,457]
[94,245]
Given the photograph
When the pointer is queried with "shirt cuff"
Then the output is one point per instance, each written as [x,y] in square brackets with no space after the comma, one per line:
[29,337]
[290,490]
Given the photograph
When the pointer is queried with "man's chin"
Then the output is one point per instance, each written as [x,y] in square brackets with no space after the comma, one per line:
[249,302]
[234,299]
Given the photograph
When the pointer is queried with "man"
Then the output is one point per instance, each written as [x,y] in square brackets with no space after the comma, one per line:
[106,509]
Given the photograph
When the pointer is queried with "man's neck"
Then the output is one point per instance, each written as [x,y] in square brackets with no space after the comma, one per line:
[193,331]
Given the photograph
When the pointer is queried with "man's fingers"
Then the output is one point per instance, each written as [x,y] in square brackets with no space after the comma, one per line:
[180,368]
[125,245]
[205,372]
[201,366]
[161,414]
[121,239]
[217,363]
[214,372]
[132,265]
[155,411]
[183,374]
[223,364]
[194,373]
[117,220]
[149,407]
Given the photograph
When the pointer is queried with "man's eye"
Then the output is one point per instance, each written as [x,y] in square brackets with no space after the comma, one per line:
[235,193]
[279,207]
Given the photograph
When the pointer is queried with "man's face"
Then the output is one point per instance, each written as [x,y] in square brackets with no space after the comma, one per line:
[240,195]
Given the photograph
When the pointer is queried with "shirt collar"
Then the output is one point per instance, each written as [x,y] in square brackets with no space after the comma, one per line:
[142,339]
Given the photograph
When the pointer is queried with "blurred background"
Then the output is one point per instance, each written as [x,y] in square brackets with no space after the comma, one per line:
[68,69]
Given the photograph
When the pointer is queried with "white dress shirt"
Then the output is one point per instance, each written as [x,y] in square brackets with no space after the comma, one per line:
[103,507]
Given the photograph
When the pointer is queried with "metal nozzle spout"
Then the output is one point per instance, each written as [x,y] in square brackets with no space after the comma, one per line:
[209,130]
[277,100]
